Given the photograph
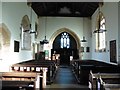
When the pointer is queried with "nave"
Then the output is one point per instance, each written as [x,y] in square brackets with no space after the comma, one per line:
[46,75]
[65,80]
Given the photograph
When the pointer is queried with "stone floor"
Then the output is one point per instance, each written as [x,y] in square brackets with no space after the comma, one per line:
[65,80]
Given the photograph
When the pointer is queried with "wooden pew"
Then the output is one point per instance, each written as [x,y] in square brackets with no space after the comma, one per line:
[92,80]
[108,83]
[97,80]
[75,69]
[46,66]
[81,69]
[111,86]
[20,81]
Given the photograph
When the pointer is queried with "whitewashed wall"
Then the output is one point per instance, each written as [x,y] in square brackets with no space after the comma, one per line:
[110,11]
[88,36]
[0,12]
[118,33]
[12,14]
[74,24]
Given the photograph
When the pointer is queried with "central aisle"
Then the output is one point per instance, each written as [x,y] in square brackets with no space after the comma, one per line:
[65,80]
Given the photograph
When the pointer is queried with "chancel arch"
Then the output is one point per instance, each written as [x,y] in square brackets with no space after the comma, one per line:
[65,43]
[55,34]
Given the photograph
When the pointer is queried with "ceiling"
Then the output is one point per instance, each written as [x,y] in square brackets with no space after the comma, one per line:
[65,9]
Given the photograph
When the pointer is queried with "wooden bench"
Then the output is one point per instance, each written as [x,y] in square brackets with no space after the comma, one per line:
[47,67]
[98,80]
[92,80]
[108,83]
[81,69]
[20,80]
[111,86]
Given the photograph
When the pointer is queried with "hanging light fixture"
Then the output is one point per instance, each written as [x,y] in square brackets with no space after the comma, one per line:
[99,30]
[83,40]
[45,41]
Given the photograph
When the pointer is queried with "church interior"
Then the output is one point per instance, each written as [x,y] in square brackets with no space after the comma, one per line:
[59,45]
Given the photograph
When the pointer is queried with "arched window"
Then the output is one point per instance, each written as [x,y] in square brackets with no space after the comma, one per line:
[100,33]
[25,35]
[65,40]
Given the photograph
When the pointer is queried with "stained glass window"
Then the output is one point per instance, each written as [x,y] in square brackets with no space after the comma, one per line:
[65,40]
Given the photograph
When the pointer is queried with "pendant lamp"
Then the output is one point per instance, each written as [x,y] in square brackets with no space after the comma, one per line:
[83,40]
[45,41]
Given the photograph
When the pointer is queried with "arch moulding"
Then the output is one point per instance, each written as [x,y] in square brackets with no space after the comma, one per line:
[55,34]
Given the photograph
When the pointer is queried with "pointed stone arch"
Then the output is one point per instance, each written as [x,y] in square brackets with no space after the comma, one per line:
[55,34]
[5,37]
[25,22]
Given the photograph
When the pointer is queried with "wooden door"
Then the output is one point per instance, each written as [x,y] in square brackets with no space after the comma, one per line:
[113,56]
[65,57]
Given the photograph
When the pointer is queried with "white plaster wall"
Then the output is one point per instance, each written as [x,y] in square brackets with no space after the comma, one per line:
[87,33]
[74,24]
[55,23]
[118,33]
[12,13]
[110,11]
[0,12]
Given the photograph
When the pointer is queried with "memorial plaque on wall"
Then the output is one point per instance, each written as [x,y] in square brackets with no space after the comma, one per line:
[82,49]
[113,53]
[87,49]
[16,46]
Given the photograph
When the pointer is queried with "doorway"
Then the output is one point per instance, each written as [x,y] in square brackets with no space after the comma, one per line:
[64,55]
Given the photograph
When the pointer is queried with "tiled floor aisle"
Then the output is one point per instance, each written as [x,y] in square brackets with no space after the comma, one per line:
[65,80]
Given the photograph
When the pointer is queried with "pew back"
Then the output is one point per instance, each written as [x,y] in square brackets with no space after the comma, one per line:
[20,76]
[82,68]
[18,80]
[101,80]
[47,66]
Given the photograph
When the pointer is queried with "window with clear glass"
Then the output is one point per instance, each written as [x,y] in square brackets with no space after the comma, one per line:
[25,40]
[65,40]
[100,35]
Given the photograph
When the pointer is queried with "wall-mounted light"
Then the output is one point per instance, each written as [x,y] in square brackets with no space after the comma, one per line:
[83,40]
